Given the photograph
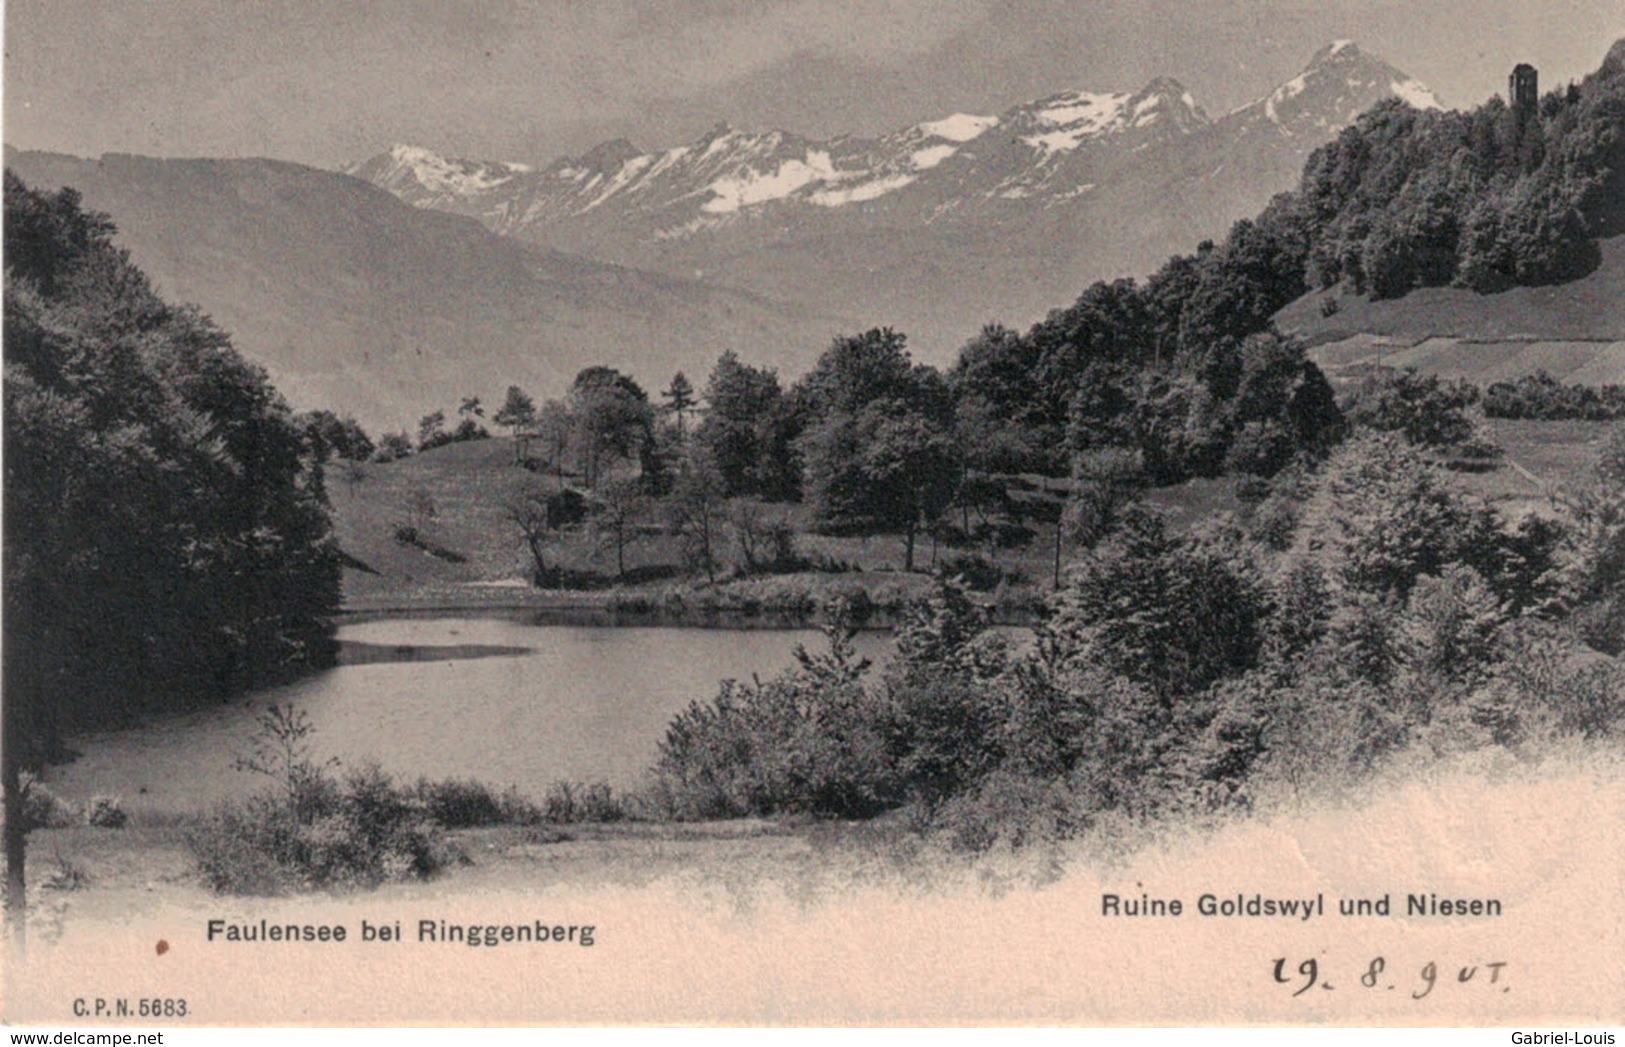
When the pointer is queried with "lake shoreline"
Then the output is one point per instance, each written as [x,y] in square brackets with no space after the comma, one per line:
[875,601]
[517,698]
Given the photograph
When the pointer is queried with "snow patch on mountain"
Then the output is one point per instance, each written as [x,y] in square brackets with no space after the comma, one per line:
[628,171]
[860,193]
[1291,89]
[960,127]
[1076,117]
[441,174]
[1092,111]
[756,187]
[724,137]
[924,159]
[667,159]
[1415,93]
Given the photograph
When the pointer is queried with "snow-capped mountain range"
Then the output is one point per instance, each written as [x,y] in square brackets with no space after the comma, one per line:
[1048,150]
[935,228]
[1030,151]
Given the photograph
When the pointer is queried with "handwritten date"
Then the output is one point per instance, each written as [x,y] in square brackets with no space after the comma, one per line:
[1378,976]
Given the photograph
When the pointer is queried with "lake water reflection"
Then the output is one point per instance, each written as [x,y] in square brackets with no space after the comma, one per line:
[581,702]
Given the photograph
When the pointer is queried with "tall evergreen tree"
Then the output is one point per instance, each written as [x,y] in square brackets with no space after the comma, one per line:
[679,398]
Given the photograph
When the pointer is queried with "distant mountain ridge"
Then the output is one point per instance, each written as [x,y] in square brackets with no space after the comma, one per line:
[766,244]
[935,228]
[699,186]
[1052,150]
[355,302]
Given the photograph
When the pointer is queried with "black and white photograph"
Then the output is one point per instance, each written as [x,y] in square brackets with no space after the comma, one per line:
[1101,513]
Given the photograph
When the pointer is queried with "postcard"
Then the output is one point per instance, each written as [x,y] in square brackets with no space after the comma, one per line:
[814,512]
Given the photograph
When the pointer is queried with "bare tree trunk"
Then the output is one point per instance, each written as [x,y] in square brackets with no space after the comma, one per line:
[710,557]
[1060,527]
[538,561]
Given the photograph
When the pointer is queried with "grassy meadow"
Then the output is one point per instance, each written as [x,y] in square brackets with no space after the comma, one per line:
[479,559]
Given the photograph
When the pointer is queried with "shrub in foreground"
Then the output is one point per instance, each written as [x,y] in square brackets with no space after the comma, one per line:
[462,803]
[312,829]
[106,812]
[806,741]
[362,832]
[573,802]
[43,809]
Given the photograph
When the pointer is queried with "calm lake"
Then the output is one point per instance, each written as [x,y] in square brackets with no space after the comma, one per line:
[576,702]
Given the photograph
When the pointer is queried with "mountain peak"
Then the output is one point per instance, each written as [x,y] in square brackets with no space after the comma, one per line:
[417,155]
[1345,50]
[1339,83]
[407,153]
[1165,85]
[1162,95]
[416,173]
[607,156]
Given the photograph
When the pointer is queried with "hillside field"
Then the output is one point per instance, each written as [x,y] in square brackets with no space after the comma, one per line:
[1574,331]
[479,558]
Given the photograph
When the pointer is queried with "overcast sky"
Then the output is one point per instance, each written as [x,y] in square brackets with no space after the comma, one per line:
[329,82]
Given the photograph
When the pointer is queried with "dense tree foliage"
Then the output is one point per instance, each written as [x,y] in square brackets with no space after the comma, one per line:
[878,448]
[166,527]
[1174,615]
[1543,397]
[1487,199]
[1196,671]
[612,420]
[678,400]
[1426,410]
[518,411]
[1592,557]
[333,437]
[1185,370]
[1000,415]
[747,428]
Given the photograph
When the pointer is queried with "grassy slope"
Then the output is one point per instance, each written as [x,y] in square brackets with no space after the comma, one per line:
[1559,455]
[1591,308]
[1575,331]
[468,481]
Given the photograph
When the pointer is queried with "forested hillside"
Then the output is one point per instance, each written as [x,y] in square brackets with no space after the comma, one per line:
[1498,197]
[1487,200]
[1134,387]
[167,534]
[1361,604]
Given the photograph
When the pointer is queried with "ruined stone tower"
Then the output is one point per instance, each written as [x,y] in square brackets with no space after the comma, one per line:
[1523,90]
